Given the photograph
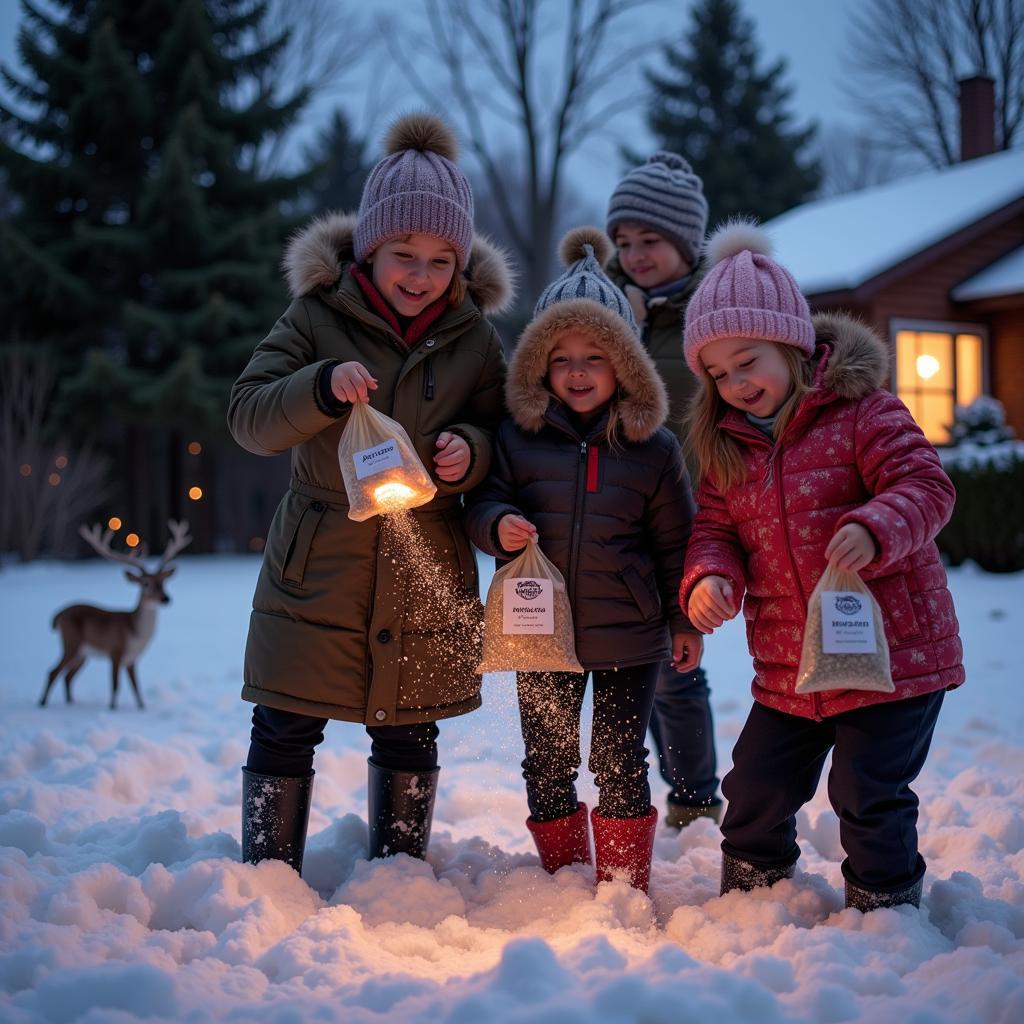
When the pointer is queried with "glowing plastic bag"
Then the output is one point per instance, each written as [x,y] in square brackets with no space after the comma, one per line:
[380,467]
[527,619]
[844,639]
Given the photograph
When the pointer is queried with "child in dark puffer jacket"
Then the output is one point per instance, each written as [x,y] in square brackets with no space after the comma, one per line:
[586,467]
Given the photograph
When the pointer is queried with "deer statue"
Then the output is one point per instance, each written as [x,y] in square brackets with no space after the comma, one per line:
[120,635]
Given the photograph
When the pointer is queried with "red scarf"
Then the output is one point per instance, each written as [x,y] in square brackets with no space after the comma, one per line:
[415,328]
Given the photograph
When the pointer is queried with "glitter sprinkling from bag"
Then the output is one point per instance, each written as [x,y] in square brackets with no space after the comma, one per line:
[379,466]
[441,617]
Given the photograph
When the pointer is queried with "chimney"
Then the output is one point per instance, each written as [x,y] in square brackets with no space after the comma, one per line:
[977,117]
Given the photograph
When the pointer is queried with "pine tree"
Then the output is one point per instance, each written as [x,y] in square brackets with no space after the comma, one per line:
[143,242]
[729,119]
[338,165]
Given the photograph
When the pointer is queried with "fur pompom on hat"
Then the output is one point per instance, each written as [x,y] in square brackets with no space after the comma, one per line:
[416,189]
[583,251]
[665,195]
[584,299]
[745,294]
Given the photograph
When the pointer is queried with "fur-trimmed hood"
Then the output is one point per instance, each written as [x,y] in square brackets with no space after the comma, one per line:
[860,361]
[642,403]
[317,254]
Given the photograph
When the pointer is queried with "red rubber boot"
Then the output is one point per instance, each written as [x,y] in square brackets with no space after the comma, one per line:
[562,841]
[624,845]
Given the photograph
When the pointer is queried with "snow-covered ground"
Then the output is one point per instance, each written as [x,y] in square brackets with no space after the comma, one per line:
[122,897]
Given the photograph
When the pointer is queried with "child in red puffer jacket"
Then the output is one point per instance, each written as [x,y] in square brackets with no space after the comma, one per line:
[805,460]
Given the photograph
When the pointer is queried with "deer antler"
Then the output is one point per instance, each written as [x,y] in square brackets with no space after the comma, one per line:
[100,543]
[180,538]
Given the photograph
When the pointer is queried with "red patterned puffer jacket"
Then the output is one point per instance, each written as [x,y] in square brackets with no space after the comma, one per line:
[852,453]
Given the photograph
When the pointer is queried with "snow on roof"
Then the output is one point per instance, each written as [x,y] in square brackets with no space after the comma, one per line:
[841,242]
[1004,277]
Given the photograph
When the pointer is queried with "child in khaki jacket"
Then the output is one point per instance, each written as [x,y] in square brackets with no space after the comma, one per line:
[388,308]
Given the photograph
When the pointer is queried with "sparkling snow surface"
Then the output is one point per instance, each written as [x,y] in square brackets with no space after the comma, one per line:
[122,897]
[842,242]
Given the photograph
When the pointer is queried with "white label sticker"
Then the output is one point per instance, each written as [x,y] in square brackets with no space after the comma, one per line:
[385,455]
[527,606]
[847,623]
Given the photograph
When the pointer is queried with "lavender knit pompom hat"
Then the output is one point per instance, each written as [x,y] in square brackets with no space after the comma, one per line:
[745,294]
[416,189]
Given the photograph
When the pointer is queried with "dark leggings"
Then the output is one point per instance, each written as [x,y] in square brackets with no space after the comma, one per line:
[282,744]
[549,709]
[684,737]
[877,752]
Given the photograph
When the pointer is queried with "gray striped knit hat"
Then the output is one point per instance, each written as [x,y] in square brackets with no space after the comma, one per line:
[583,250]
[416,189]
[665,195]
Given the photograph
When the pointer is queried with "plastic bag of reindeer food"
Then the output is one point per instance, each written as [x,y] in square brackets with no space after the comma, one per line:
[844,638]
[527,619]
[379,466]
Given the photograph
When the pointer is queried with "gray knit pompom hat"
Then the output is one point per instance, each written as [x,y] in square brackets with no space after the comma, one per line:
[416,189]
[583,250]
[665,195]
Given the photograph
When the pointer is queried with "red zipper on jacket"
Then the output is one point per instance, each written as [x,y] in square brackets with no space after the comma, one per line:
[777,474]
[592,469]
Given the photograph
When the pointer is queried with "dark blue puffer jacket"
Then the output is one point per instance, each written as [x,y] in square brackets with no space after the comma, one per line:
[614,519]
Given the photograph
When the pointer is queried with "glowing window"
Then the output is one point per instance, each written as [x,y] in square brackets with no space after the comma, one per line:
[935,371]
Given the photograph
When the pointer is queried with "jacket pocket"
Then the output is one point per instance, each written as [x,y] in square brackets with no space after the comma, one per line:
[643,593]
[893,596]
[294,568]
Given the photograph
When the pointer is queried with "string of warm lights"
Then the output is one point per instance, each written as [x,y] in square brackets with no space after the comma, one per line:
[131,539]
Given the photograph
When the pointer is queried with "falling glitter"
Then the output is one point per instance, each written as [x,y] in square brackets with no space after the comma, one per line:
[427,581]
[431,589]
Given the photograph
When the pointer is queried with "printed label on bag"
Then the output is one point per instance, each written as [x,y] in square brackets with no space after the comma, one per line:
[385,455]
[847,623]
[527,606]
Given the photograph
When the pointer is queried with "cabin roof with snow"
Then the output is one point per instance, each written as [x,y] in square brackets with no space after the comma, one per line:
[1004,277]
[840,244]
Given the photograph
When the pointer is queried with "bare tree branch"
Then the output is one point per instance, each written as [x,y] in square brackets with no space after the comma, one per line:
[45,481]
[909,55]
[495,59]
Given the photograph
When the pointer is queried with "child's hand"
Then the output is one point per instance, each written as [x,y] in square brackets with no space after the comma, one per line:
[515,532]
[352,382]
[687,649]
[710,603]
[851,548]
[452,460]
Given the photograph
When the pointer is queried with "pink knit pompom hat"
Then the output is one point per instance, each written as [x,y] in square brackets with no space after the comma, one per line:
[745,294]
[416,189]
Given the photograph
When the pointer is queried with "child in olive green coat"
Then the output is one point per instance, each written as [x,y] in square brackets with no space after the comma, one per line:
[388,308]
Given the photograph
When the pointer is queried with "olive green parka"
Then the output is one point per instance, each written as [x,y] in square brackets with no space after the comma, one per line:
[339,627]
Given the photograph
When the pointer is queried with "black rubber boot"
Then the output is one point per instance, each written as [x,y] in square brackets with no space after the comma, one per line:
[275,814]
[863,899]
[401,808]
[742,875]
[678,816]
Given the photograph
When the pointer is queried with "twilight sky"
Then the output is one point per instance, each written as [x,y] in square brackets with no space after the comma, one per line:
[810,34]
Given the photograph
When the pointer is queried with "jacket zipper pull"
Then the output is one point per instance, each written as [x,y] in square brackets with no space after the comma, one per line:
[428,380]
